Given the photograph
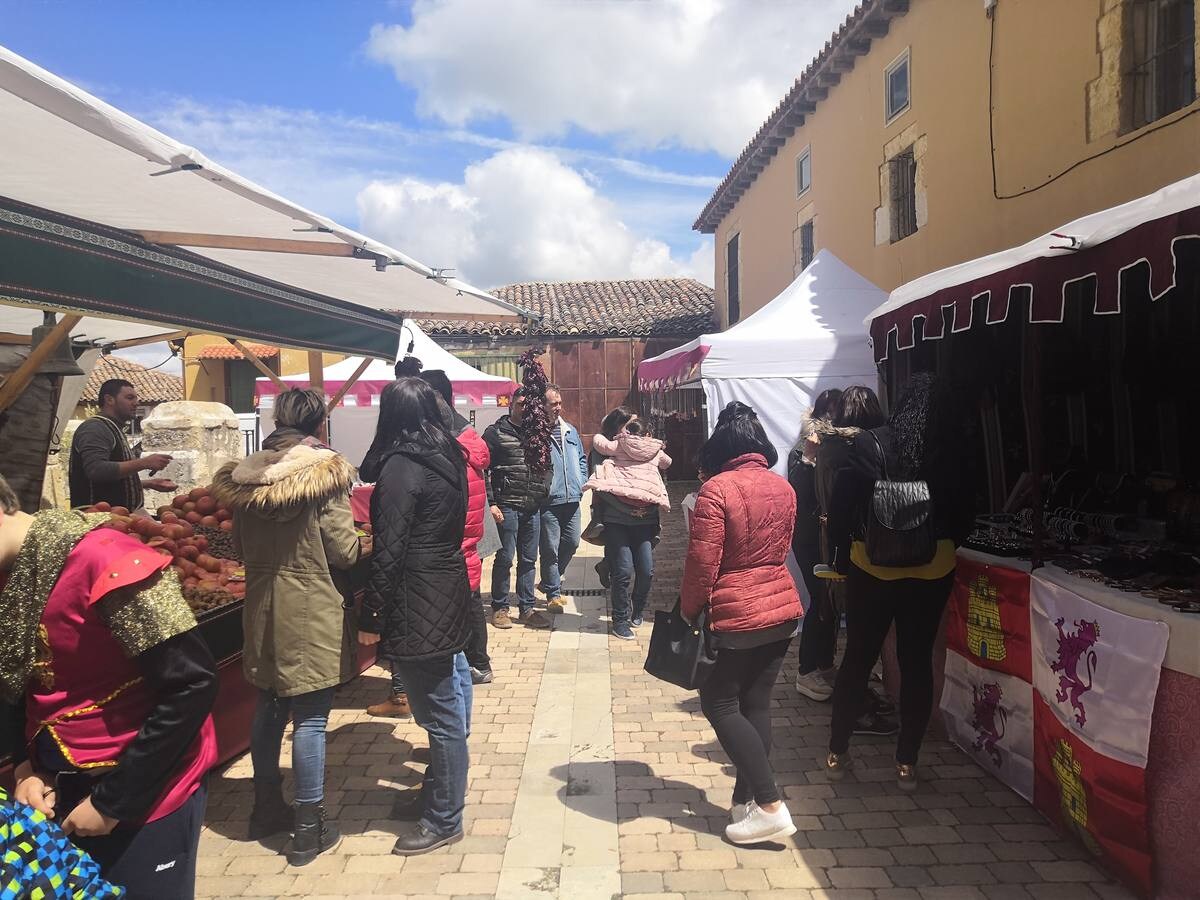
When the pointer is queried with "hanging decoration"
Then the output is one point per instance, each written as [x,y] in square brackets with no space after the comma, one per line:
[535,428]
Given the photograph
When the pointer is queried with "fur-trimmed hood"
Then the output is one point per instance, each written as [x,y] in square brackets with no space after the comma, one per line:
[280,483]
[822,428]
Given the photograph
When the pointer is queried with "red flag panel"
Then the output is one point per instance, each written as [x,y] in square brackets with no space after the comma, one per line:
[988,621]
[1099,800]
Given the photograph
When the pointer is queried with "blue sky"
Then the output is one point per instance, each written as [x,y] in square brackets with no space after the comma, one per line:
[516,140]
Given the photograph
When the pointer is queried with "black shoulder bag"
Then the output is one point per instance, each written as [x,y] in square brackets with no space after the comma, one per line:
[680,653]
[899,525]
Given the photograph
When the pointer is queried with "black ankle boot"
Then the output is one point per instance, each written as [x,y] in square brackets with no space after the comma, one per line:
[313,834]
[271,814]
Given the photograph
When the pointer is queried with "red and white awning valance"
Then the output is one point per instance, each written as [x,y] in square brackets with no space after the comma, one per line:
[673,368]
[1097,247]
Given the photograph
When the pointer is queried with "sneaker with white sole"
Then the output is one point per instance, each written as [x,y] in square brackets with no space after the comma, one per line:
[738,812]
[759,826]
[814,686]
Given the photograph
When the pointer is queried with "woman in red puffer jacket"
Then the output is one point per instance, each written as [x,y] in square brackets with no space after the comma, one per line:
[736,567]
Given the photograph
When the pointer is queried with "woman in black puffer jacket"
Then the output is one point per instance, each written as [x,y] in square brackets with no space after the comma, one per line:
[417,604]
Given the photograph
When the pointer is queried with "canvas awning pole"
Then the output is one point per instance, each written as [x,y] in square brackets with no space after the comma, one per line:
[152,339]
[316,369]
[258,364]
[1031,391]
[347,384]
[15,383]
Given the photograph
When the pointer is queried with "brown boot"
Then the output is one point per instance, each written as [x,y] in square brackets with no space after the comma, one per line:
[394,707]
[500,619]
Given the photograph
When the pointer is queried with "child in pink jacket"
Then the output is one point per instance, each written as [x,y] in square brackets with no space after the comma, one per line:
[634,471]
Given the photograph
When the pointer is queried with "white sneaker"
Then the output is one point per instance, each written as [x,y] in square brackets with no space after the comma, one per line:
[760,826]
[738,812]
[814,686]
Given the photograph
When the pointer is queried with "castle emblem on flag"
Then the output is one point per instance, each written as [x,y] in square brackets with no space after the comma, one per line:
[1073,647]
[1074,798]
[985,636]
[989,719]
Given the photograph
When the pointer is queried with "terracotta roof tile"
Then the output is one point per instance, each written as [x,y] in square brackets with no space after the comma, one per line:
[228,351]
[650,307]
[151,386]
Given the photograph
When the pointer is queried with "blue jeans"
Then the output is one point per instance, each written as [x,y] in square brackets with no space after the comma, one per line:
[560,540]
[310,714]
[629,551]
[440,693]
[519,535]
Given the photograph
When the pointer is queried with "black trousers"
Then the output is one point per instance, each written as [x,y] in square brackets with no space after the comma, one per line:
[872,604]
[477,652]
[154,861]
[736,700]
[819,628]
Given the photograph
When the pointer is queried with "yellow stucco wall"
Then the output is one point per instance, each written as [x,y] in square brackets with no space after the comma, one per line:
[204,379]
[1057,99]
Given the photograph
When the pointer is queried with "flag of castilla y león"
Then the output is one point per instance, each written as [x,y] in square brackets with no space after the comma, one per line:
[1053,694]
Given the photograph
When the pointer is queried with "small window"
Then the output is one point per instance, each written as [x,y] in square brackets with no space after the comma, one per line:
[1162,43]
[806,244]
[733,279]
[896,86]
[804,171]
[903,178]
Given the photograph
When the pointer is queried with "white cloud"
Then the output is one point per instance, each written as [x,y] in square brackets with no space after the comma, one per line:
[153,356]
[520,215]
[703,74]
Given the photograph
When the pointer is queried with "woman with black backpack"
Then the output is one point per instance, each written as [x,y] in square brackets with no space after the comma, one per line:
[902,506]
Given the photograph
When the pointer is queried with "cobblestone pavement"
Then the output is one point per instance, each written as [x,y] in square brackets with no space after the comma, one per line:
[592,781]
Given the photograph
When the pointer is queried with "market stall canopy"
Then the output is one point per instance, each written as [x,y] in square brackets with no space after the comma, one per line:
[1092,252]
[807,340]
[469,383]
[83,182]
[812,329]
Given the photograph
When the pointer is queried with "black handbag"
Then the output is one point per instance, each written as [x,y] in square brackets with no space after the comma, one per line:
[899,523]
[680,653]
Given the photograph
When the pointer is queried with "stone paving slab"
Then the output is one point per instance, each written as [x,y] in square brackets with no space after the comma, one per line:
[592,781]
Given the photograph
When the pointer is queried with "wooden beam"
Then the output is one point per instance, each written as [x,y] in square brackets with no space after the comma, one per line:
[342,391]
[153,339]
[316,369]
[18,380]
[238,242]
[258,364]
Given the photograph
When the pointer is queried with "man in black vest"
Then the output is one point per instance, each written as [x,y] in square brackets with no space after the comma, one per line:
[517,496]
[103,467]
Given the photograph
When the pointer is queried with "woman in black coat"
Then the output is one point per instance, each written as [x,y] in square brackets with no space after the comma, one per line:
[922,441]
[417,605]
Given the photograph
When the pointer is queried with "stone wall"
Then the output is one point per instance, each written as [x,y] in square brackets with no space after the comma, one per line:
[200,436]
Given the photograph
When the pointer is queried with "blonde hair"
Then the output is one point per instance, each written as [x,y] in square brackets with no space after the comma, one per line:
[303,410]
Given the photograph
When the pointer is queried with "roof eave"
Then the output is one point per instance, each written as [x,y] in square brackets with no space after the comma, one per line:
[869,21]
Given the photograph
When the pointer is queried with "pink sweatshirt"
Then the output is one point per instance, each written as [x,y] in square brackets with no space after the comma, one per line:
[633,472]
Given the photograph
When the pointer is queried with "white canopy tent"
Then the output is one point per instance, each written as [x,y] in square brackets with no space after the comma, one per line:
[808,339]
[472,387]
[66,151]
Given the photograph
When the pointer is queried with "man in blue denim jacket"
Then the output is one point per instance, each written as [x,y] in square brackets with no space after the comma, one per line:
[560,515]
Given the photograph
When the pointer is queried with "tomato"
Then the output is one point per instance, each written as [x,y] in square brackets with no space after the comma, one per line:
[101,507]
[206,506]
[210,522]
[197,493]
[223,515]
[179,501]
[194,517]
[227,526]
[189,552]
[119,511]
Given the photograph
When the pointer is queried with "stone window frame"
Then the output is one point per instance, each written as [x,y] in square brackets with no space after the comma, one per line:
[919,142]
[903,59]
[801,188]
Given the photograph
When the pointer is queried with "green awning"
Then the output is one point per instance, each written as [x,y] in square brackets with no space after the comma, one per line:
[51,261]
